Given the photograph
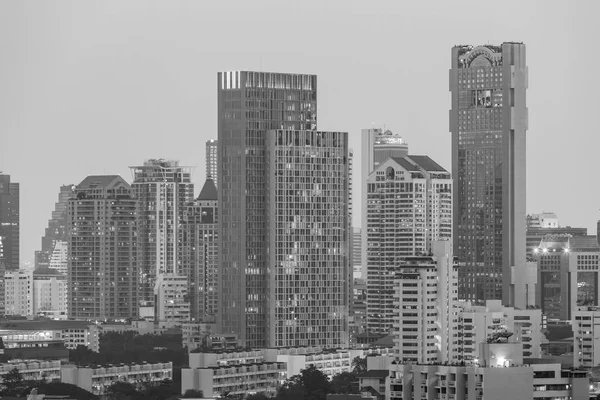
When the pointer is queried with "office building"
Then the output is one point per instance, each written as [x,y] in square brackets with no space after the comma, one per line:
[211,160]
[357,268]
[97,379]
[49,294]
[55,234]
[376,147]
[200,257]
[308,237]
[409,205]
[488,122]
[9,223]
[172,300]
[18,285]
[567,274]
[250,104]
[540,225]
[502,373]
[425,298]
[103,276]
[162,189]
[586,337]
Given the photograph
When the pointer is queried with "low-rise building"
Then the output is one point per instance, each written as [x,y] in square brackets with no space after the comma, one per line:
[45,333]
[49,295]
[586,337]
[172,304]
[32,370]
[17,292]
[96,379]
[199,334]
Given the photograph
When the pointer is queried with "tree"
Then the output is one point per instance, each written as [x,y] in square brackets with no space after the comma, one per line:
[13,382]
[192,394]
[59,388]
[258,396]
[359,365]
[345,383]
[123,391]
[309,384]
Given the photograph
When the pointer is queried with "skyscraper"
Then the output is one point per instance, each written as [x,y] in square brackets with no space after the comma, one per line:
[308,238]
[409,205]
[56,230]
[102,277]
[200,256]
[162,189]
[250,104]
[9,223]
[488,121]
[211,159]
[377,147]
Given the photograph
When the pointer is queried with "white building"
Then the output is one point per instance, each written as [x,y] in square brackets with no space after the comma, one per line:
[18,288]
[211,159]
[49,293]
[542,220]
[586,337]
[172,304]
[96,379]
[59,259]
[43,333]
[409,205]
[32,370]
[477,324]
[425,298]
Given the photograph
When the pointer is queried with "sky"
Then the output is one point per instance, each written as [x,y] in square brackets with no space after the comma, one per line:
[93,87]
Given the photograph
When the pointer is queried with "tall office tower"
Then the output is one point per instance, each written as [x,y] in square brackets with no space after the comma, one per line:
[377,147]
[211,159]
[102,249]
[162,189]
[249,104]
[18,299]
[9,223]
[57,228]
[568,270]
[200,257]
[425,299]
[541,225]
[308,238]
[409,205]
[488,121]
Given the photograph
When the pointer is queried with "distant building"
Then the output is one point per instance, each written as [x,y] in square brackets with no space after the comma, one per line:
[488,123]
[357,268]
[56,233]
[59,260]
[425,299]
[50,293]
[211,160]
[201,335]
[586,337]
[18,287]
[172,300]
[33,370]
[543,220]
[96,379]
[535,234]
[103,275]
[9,223]
[409,205]
[568,273]
[21,334]
[358,320]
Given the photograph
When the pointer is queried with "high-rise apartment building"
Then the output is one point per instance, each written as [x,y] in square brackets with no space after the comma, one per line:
[408,206]
[103,275]
[56,231]
[250,104]
[308,238]
[211,159]
[9,223]
[586,337]
[162,189]
[568,269]
[376,147]
[59,260]
[18,299]
[425,298]
[200,257]
[49,294]
[488,122]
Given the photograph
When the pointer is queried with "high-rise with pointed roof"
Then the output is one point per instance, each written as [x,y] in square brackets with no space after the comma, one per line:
[101,232]
[488,122]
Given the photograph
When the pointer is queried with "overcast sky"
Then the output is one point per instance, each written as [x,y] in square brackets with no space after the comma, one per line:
[92,87]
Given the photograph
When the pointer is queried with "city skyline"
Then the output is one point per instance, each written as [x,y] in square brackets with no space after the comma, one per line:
[182,116]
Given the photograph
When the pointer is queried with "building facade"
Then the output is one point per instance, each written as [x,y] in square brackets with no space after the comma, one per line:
[536,234]
[56,232]
[162,189]
[308,238]
[50,293]
[250,104]
[103,276]
[172,300]
[586,337]
[409,205]
[18,288]
[9,223]
[200,257]
[22,334]
[425,299]
[211,160]
[488,122]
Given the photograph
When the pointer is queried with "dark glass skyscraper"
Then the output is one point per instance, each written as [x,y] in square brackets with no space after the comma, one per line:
[250,104]
[488,122]
[9,223]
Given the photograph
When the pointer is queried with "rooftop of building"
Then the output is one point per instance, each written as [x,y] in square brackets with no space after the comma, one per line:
[99,181]
[584,243]
[209,190]
[417,163]
[46,324]
[117,365]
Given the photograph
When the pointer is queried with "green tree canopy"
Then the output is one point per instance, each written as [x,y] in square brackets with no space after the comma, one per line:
[309,384]
[192,394]
[359,365]
[345,383]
